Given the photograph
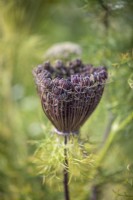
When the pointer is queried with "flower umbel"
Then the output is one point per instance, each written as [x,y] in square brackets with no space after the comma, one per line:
[63,50]
[69,93]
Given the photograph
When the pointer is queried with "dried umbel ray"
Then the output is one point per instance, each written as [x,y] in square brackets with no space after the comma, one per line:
[69,93]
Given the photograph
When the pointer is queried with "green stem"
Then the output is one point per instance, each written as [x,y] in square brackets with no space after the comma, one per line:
[111,137]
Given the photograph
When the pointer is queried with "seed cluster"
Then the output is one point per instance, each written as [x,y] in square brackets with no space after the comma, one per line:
[69,93]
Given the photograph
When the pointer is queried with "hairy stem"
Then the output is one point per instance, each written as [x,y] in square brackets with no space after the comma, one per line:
[66,178]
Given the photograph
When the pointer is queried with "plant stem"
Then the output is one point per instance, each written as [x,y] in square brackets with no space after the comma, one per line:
[66,178]
[95,192]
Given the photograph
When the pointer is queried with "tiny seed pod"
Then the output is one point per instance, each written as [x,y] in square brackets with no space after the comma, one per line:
[65,84]
[39,69]
[77,62]
[75,79]
[47,83]
[58,64]
[103,74]
[56,81]
[56,90]
[86,81]
[47,74]
[96,76]
[47,65]
[92,78]
[62,82]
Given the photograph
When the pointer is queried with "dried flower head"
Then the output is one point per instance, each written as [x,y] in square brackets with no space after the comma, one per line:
[69,93]
[64,50]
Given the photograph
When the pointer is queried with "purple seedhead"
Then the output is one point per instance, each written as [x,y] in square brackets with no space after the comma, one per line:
[69,93]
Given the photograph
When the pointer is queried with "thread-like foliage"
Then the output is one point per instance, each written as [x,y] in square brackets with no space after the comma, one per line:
[49,158]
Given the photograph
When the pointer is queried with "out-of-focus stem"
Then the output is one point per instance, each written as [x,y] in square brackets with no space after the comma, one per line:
[107,10]
[107,131]
[111,138]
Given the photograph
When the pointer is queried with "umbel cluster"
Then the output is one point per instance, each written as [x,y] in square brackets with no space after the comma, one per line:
[69,92]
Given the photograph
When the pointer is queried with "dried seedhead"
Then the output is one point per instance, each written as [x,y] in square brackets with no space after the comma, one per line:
[69,93]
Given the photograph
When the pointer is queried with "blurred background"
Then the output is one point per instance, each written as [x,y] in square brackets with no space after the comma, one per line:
[103,30]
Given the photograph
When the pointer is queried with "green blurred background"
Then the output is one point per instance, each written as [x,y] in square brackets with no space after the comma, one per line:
[104,31]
